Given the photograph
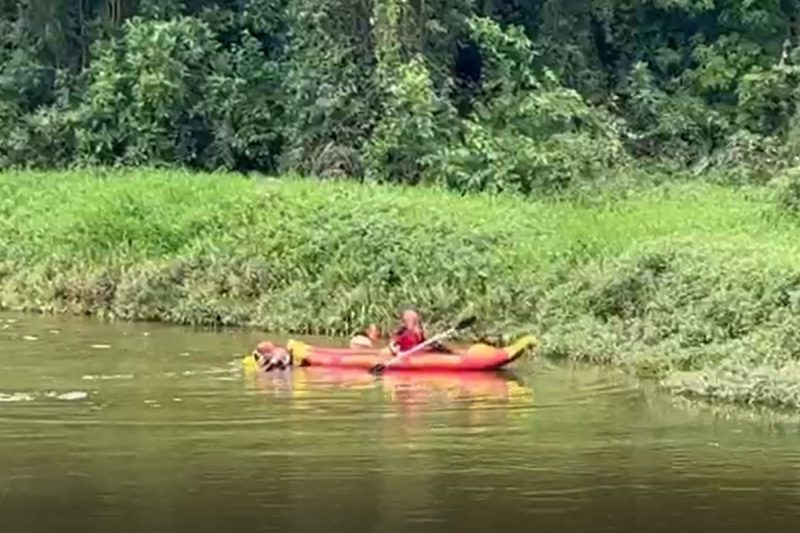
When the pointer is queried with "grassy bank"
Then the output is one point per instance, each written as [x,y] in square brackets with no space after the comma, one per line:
[696,284]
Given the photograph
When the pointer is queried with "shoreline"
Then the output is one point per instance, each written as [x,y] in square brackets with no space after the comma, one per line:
[696,285]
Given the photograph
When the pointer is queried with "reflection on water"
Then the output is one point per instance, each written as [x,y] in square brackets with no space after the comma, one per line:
[128,428]
[479,396]
[408,388]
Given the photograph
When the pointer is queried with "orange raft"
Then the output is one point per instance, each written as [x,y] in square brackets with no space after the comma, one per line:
[478,357]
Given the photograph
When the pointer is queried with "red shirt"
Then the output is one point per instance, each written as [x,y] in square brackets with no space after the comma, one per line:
[406,339]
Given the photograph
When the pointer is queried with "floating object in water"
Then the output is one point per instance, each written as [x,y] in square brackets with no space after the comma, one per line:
[72,396]
[30,338]
[479,357]
[269,357]
[16,397]
[67,396]
[93,377]
[101,346]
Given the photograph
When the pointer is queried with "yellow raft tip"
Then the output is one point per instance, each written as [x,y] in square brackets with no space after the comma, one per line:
[524,343]
[249,364]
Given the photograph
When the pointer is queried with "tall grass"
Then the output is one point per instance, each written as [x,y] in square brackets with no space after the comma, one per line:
[696,284]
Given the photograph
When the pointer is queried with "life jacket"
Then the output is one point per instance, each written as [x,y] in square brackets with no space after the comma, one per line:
[406,339]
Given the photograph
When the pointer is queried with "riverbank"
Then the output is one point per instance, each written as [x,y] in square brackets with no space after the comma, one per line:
[696,284]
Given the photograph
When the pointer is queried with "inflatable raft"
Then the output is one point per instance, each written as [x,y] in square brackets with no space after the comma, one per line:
[478,357]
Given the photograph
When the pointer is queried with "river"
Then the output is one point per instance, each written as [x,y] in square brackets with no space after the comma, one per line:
[150,428]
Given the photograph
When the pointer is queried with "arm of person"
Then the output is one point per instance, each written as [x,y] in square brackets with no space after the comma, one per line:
[394,348]
[394,342]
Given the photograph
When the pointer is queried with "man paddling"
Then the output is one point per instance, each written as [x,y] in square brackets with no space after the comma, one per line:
[409,335]
[410,339]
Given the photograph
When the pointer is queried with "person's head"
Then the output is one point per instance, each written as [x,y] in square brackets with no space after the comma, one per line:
[265,348]
[410,319]
[373,332]
[263,352]
[360,342]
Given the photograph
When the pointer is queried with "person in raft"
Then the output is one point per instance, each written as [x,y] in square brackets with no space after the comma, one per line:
[367,338]
[270,357]
[410,334]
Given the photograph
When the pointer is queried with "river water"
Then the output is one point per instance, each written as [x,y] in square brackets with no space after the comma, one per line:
[146,428]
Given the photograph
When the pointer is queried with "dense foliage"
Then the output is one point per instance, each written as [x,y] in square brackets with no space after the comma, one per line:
[518,95]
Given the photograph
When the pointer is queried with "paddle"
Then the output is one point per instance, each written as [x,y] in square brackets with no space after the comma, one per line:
[461,325]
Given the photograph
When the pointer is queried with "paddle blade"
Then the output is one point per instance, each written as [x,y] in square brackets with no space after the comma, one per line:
[465,323]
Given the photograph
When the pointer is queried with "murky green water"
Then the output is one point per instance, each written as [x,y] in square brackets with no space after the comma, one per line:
[141,428]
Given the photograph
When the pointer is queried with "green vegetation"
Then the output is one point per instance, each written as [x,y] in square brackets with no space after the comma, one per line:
[697,284]
[493,95]
[665,271]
